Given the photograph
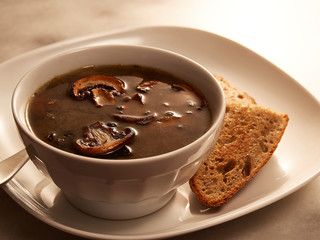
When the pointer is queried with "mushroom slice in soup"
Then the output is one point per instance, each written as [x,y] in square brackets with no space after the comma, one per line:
[135,119]
[100,87]
[145,86]
[100,139]
[102,97]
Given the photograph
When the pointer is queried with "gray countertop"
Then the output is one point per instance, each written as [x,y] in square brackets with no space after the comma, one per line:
[293,26]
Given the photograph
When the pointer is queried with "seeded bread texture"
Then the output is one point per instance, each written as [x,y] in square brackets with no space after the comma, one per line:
[250,134]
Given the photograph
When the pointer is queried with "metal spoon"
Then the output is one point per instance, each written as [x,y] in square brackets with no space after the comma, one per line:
[10,166]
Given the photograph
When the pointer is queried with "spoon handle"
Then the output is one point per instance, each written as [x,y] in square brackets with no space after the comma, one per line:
[10,166]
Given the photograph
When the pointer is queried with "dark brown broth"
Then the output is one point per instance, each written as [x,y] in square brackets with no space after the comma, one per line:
[57,118]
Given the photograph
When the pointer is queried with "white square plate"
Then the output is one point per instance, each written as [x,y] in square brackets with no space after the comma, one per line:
[295,162]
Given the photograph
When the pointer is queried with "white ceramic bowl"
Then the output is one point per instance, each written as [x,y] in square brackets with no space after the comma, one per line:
[116,189]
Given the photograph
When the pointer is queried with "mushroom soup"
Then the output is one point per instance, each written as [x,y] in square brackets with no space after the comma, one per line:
[119,112]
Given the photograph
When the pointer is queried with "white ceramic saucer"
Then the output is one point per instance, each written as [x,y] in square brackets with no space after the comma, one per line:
[295,162]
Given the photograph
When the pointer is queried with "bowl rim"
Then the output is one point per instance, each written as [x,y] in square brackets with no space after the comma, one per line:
[219,112]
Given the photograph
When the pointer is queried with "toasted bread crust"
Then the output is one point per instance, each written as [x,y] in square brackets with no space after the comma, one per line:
[250,134]
[234,94]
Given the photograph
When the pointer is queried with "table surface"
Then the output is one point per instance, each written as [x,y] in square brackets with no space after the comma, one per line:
[285,32]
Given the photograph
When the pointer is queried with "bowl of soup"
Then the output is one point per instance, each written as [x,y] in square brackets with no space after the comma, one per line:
[118,127]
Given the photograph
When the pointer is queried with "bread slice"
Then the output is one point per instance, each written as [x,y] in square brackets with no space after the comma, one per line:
[249,136]
[234,94]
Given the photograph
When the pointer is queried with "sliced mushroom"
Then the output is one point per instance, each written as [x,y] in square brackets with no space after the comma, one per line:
[87,87]
[100,139]
[146,86]
[139,97]
[102,97]
[135,119]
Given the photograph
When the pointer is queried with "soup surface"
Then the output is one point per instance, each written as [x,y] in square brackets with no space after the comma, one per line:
[119,112]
